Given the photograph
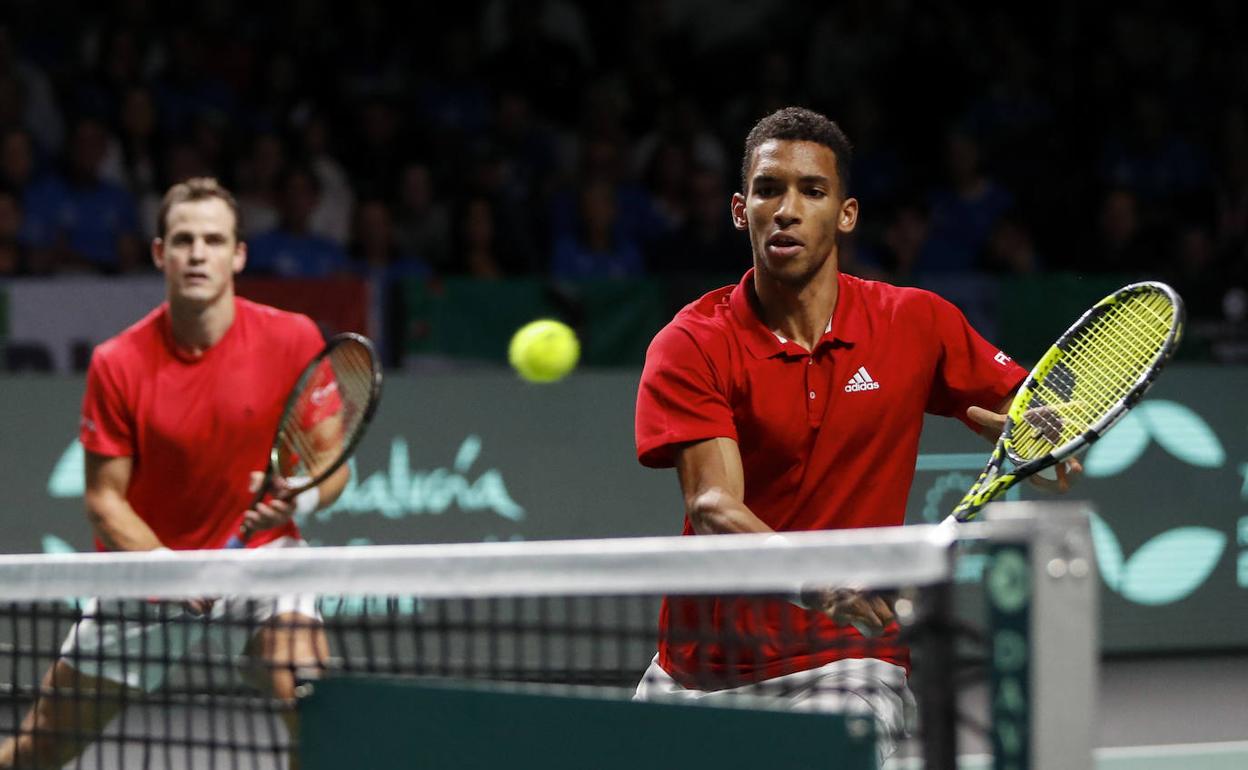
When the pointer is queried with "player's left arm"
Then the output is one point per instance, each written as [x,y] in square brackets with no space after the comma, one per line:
[279,508]
[970,379]
[990,424]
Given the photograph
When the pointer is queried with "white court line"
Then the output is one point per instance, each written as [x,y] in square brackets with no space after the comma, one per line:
[1174,749]
[1160,751]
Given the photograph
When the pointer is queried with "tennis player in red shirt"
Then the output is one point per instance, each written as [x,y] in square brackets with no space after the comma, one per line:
[178,416]
[794,401]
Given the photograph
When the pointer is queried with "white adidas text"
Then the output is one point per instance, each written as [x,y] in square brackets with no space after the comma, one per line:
[861,381]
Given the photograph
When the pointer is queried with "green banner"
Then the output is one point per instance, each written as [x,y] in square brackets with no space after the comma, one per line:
[460,458]
[392,725]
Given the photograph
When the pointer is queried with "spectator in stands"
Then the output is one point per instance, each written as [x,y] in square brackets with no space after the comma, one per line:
[878,169]
[39,112]
[1193,269]
[707,242]
[12,256]
[423,225]
[900,247]
[141,153]
[477,250]
[375,248]
[526,146]
[597,248]
[83,220]
[964,213]
[602,166]
[259,175]
[17,159]
[1011,249]
[1232,190]
[1122,244]
[332,217]
[666,177]
[188,90]
[379,146]
[293,250]
[1151,159]
[539,49]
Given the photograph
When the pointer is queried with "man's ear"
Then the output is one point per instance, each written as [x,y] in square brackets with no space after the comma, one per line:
[848,219]
[158,253]
[739,220]
[240,257]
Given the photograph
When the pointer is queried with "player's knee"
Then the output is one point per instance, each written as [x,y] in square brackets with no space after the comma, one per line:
[28,751]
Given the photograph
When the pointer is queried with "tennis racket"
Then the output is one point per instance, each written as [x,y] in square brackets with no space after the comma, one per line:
[1086,382]
[324,419]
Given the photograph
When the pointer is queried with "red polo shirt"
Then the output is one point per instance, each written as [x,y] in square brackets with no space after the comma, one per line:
[828,440]
[195,427]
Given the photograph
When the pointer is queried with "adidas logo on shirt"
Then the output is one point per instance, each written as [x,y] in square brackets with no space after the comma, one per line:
[861,381]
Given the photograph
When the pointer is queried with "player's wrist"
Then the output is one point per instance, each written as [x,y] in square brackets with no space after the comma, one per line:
[307,501]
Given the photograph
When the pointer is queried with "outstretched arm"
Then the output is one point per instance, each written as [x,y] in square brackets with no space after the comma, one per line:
[713,485]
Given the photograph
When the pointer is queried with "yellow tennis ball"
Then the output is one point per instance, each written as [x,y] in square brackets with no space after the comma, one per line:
[544,351]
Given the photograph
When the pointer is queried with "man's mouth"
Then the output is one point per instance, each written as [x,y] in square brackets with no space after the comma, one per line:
[784,245]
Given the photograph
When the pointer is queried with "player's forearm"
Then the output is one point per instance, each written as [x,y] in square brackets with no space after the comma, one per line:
[118,526]
[331,488]
[715,512]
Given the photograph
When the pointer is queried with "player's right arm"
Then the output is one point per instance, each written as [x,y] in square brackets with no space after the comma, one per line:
[115,523]
[713,486]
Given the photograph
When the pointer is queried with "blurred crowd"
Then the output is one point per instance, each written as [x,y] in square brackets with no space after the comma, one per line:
[596,140]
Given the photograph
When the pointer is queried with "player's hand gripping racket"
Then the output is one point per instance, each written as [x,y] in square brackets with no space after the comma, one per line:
[1086,382]
[325,417]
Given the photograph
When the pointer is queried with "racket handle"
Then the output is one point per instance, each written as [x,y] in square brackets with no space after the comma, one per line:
[866,631]
[236,542]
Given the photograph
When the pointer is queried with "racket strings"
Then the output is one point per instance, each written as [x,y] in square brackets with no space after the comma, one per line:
[308,445]
[1098,368]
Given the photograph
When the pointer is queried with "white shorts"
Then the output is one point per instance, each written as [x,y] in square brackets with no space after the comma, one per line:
[134,642]
[854,686]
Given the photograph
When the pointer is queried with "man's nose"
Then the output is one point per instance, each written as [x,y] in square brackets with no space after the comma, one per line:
[788,212]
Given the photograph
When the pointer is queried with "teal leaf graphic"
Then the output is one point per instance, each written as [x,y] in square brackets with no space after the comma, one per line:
[1117,449]
[1182,433]
[1108,551]
[53,544]
[1172,565]
[67,477]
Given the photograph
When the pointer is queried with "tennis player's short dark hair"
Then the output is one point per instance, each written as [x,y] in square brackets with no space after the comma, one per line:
[200,188]
[799,124]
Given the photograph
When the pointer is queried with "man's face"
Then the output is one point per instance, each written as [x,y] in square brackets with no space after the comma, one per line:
[199,254]
[793,209]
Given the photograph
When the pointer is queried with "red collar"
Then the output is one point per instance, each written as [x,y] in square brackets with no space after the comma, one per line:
[849,321]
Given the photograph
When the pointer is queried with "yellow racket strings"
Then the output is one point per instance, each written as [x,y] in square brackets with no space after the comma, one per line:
[1098,368]
[312,435]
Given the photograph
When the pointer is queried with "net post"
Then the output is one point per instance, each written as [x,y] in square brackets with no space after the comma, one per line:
[936,685]
[1061,630]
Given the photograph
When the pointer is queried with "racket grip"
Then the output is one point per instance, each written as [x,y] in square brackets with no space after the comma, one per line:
[236,542]
[864,629]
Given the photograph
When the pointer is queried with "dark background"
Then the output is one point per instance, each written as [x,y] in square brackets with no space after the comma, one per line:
[580,140]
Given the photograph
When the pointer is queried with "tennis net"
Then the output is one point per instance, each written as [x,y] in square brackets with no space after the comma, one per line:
[531,654]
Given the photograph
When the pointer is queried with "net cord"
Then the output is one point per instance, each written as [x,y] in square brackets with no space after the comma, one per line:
[880,557]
